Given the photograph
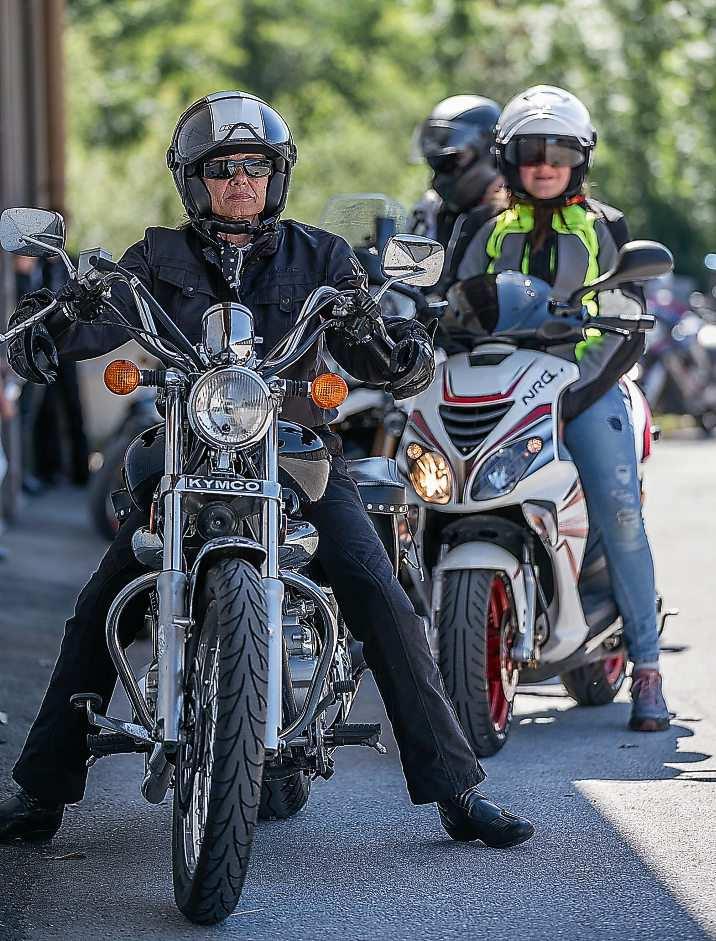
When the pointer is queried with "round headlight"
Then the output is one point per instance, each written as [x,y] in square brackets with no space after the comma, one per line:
[230,408]
[431,478]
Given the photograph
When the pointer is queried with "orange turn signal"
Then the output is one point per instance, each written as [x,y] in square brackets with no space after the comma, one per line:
[329,390]
[121,377]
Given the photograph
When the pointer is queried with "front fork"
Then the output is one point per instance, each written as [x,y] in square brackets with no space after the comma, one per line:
[172,580]
[273,587]
[172,586]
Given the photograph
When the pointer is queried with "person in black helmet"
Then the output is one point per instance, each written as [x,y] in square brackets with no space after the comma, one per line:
[456,140]
[231,157]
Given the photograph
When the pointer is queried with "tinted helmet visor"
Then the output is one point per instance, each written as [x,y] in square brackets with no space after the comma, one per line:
[554,151]
[445,138]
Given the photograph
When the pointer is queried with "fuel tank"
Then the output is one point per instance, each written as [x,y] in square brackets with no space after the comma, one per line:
[304,463]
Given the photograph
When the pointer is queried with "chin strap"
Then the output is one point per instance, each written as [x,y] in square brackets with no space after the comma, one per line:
[214,224]
[211,226]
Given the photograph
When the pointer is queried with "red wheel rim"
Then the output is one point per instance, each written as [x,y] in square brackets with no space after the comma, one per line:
[499,664]
[613,668]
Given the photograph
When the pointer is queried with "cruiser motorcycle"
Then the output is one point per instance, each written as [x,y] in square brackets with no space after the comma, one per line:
[251,683]
[499,516]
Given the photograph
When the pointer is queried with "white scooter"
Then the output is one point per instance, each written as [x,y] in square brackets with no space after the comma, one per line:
[499,517]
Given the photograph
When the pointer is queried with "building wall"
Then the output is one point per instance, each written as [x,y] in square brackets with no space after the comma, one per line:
[31,144]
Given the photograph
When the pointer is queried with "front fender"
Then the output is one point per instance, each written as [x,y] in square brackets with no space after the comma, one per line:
[486,556]
[237,546]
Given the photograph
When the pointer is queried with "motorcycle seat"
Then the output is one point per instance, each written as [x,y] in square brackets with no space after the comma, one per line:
[379,484]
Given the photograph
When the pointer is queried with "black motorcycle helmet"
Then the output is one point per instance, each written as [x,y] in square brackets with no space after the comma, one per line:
[218,125]
[456,140]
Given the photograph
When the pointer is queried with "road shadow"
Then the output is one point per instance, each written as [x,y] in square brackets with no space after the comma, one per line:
[615,753]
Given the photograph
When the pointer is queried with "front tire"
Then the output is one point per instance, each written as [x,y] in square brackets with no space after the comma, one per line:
[476,624]
[596,684]
[219,768]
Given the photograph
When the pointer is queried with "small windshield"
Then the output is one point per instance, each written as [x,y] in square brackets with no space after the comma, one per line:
[356,217]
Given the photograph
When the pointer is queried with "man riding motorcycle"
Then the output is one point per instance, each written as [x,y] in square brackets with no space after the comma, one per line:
[231,157]
[456,140]
[552,230]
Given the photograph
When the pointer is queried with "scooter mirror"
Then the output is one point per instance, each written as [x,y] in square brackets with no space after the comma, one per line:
[637,261]
[32,231]
[413,259]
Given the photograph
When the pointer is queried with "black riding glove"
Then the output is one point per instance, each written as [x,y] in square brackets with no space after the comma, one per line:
[412,359]
[33,354]
[84,302]
[358,303]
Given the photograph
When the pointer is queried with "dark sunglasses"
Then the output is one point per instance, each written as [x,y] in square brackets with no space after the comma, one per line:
[554,151]
[225,169]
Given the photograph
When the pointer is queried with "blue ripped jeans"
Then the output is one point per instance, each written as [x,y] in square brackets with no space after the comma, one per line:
[601,442]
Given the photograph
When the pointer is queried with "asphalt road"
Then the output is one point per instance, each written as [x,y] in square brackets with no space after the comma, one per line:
[625,845]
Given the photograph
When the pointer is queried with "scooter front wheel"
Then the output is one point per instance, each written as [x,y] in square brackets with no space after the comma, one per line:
[476,626]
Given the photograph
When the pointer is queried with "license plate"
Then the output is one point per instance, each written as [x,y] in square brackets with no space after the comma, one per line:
[257,488]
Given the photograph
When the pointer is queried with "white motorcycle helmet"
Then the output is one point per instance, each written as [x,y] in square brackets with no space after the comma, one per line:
[545,123]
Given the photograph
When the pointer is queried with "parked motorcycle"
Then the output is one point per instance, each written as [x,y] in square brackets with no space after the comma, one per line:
[108,478]
[678,369]
[251,682]
[499,516]
[368,421]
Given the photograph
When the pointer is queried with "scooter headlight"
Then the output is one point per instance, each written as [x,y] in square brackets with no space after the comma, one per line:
[230,408]
[503,470]
[429,474]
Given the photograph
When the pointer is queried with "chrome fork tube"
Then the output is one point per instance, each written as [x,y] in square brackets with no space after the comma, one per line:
[172,580]
[273,587]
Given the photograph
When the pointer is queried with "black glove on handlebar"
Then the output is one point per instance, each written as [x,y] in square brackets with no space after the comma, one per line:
[84,302]
[33,354]
[412,359]
[358,303]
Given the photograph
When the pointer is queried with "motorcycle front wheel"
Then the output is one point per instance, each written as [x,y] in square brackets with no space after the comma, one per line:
[219,767]
[476,626]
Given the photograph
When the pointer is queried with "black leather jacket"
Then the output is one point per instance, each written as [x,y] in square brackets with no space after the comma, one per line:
[279,271]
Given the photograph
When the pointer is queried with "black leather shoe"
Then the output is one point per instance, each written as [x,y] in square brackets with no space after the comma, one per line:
[470,816]
[23,817]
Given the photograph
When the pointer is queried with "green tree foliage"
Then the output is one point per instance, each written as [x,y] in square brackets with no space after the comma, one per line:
[354,78]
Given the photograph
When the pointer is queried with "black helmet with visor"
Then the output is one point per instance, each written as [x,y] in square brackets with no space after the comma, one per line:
[215,128]
[456,140]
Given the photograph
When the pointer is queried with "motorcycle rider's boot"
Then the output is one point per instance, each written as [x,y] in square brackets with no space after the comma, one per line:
[471,816]
[649,711]
[24,817]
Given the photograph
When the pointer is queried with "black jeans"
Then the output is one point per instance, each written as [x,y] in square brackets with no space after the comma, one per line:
[436,757]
